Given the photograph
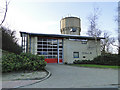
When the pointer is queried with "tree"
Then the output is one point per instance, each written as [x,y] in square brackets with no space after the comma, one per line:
[119,27]
[9,41]
[11,34]
[95,32]
[106,43]
[117,19]
[93,29]
[4,12]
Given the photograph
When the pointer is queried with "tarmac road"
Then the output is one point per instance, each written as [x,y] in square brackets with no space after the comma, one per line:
[65,76]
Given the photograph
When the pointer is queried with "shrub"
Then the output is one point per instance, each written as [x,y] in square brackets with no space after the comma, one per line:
[24,61]
[107,59]
[82,62]
[65,62]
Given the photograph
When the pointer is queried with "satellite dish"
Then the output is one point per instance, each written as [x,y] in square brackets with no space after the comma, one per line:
[73,29]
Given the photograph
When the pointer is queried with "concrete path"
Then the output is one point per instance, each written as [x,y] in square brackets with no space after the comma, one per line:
[65,76]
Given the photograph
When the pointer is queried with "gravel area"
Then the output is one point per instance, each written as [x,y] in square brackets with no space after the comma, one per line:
[35,75]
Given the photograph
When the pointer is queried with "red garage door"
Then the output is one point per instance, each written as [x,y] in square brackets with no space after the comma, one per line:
[53,60]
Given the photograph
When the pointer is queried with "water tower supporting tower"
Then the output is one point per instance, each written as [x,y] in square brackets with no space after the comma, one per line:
[70,25]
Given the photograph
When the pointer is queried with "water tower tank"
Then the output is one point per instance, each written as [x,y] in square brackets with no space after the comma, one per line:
[70,25]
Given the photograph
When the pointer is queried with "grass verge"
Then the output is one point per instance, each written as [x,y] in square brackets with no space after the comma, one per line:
[96,66]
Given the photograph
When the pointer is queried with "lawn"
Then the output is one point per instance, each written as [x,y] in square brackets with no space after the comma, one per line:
[95,66]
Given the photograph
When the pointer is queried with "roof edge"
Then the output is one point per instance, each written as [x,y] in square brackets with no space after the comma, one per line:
[61,35]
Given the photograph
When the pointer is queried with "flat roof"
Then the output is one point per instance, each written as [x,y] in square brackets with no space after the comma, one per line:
[70,17]
[61,36]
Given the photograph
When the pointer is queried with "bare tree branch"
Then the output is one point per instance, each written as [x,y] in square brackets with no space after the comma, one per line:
[93,20]
[5,13]
[107,42]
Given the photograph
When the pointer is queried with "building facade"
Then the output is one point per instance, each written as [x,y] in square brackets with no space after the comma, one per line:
[65,47]
[60,48]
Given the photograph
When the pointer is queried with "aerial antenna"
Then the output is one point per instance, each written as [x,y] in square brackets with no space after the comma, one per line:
[68,14]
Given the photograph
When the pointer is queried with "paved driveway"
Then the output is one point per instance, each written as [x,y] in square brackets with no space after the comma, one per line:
[65,76]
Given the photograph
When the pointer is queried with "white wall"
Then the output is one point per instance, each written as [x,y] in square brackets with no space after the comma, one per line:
[88,50]
[34,45]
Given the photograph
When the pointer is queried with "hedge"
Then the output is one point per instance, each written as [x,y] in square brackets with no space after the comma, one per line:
[23,62]
[108,59]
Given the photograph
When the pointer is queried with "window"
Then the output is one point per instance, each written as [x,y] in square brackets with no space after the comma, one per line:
[90,52]
[84,42]
[76,54]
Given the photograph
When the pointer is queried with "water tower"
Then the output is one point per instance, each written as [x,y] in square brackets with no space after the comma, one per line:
[70,25]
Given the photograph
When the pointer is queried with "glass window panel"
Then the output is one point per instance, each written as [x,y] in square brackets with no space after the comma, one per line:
[39,49]
[39,53]
[60,50]
[39,46]
[49,39]
[49,49]
[60,40]
[55,56]
[49,56]
[54,46]
[39,42]
[44,42]
[60,46]
[48,43]
[60,56]
[54,53]
[44,53]
[54,49]
[44,39]
[76,54]
[60,53]
[39,38]
[44,46]
[54,40]
[49,46]
[49,53]
[45,49]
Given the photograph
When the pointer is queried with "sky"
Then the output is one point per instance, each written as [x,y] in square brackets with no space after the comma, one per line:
[38,16]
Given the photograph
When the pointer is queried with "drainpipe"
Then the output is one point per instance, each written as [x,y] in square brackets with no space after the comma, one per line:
[58,50]
[26,43]
[30,45]
[22,42]
[62,51]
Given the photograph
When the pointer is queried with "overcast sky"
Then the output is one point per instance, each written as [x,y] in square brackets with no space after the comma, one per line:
[44,17]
